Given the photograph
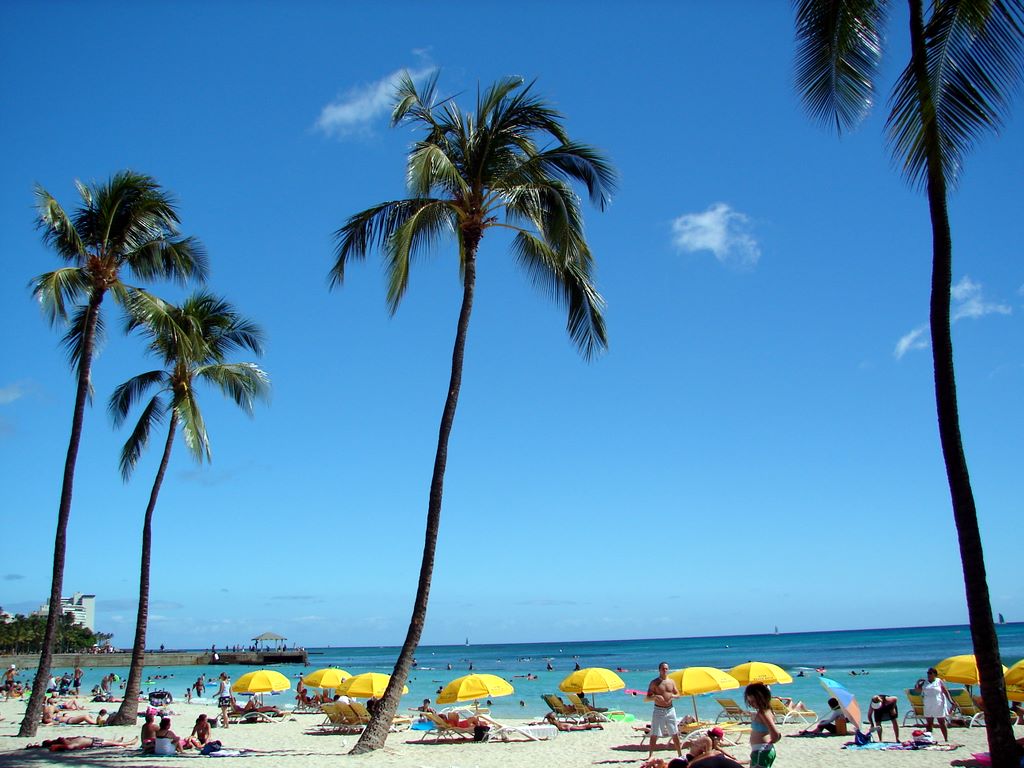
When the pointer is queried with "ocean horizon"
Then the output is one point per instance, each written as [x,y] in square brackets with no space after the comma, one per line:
[867,661]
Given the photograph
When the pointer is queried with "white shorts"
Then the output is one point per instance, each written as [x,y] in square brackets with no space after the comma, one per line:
[664,722]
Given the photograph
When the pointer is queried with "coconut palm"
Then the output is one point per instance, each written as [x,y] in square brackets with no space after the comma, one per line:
[965,62]
[127,224]
[469,173]
[192,342]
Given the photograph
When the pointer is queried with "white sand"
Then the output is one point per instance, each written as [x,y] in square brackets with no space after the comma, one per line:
[286,744]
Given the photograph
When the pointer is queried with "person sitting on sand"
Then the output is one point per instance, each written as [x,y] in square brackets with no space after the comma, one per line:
[702,752]
[72,743]
[200,734]
[148,735]
[165,732]
[827,725]
[551,719]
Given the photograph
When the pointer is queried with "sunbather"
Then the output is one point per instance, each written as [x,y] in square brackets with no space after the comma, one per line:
[200,734]
[827,724]
[551,719]
[72,743]
[702,752]
[165,732]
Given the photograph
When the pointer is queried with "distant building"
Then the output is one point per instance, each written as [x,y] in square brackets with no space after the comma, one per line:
[81,607]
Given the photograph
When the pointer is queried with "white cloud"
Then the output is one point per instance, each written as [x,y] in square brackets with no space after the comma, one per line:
[361,106]
[968,301]
[11,393]
[916,339]
[721,230]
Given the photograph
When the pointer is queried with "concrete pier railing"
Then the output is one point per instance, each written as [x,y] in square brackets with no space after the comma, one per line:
[159,659]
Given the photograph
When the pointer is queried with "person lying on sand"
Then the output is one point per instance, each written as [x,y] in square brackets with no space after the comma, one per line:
[72,743]
[551,719]
[702,752]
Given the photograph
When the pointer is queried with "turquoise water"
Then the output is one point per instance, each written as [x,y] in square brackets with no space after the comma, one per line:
[892,658]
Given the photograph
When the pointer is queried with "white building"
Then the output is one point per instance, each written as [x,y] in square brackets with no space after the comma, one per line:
[81,607]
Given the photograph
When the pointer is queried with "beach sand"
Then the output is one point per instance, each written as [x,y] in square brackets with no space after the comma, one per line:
[286,744]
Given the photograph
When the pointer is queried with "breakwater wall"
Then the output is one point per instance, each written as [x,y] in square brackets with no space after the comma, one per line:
[158,659]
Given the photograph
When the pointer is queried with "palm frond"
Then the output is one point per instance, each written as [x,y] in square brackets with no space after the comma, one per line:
[412,103]
[422,230]
[180,259]
[975,61]
[58,229]
[430,168]
[244,383]
[193,428]
[839,47]
[371,228]
[74,338]
[55,290]
[127,394]
[568,282]
[136,443]
[569,162]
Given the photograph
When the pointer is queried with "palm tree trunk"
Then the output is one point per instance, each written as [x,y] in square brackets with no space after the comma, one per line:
[129,709]
[34,711]
[965,515]
[376,732]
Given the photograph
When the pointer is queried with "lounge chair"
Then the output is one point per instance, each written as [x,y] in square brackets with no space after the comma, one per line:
[560,709]
[443,730]
[532,732]
[733,711]
[966,711]
[587,712]
[916,712]
[362,715]
[783,714]
[339,718]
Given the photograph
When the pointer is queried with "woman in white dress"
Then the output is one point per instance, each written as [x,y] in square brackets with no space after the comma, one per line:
[937,702]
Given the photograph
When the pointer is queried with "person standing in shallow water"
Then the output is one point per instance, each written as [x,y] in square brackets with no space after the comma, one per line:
[662,692]
[763,733]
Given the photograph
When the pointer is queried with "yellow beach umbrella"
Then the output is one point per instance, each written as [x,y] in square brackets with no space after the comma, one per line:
[472,687]
[760,672]
[592,680]
[261,681]
[328,677]
[960,669]
[693,680]
[369,685]
[1015,674]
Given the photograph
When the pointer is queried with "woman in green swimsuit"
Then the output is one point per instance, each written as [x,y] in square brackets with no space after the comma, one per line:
[763,733]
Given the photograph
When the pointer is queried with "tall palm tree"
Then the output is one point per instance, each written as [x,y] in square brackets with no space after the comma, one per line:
[965,62]
[469,173]
[192,342]
[127,224]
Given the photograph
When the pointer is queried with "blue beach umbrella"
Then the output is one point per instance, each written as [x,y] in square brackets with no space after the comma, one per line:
[847,701]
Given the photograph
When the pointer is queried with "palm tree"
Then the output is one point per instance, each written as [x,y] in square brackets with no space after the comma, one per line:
[469,173]
[965,62]
[192,342]
[126,224]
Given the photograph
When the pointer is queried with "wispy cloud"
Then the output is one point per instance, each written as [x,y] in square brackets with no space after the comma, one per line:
[13,577]
[913,340]
[12,392]
[721,230]
[360,107]
[967,302]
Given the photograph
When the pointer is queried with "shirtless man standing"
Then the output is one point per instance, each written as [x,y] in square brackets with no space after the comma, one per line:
[661,691]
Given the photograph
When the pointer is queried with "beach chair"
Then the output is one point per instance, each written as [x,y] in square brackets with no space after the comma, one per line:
[587,712]
[916,712]
[361,714]
[339,718]
[783,714]
[560,709]
[733,711]
[965,711]
[531,732]
[445,731]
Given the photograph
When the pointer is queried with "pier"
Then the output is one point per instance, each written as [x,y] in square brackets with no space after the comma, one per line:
[258,658]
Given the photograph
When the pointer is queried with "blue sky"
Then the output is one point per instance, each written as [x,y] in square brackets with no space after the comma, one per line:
[758,446]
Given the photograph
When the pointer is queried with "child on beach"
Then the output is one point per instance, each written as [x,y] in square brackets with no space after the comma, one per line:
[763,733]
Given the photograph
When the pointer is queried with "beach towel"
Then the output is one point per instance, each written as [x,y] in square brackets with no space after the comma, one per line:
[890,746]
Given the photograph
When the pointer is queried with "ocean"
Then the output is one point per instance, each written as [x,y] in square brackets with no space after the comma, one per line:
[884,660]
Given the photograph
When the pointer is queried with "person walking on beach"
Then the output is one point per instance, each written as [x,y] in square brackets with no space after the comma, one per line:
[9,675]
[662,691]
[937,702]
[763,733]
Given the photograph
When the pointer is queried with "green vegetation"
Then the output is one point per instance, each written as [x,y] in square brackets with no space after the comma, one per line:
[25,634]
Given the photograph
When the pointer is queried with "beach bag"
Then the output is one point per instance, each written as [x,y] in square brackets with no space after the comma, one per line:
[210,746]
[861,738]
[480,732]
